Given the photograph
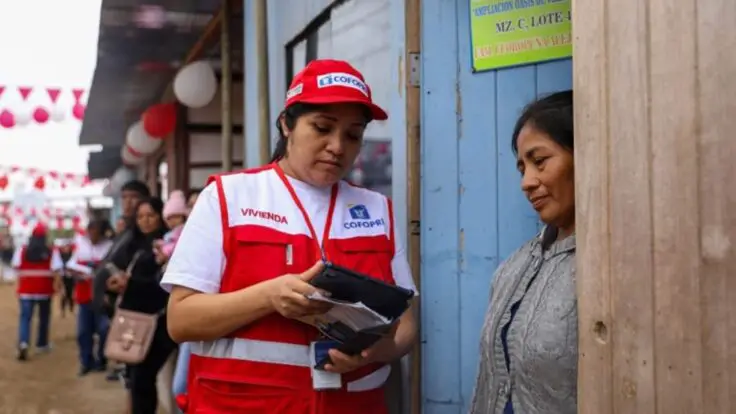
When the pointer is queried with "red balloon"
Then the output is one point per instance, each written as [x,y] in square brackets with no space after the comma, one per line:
[41,115]
[78,111]
[7,119]
[159,120]
[4,181]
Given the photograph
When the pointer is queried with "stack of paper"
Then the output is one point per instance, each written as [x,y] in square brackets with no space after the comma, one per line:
[357,316]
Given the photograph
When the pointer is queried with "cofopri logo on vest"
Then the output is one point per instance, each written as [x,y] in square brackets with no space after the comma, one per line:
[361,218]
[265,215]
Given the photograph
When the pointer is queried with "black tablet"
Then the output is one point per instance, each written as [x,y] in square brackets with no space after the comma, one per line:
[346,285]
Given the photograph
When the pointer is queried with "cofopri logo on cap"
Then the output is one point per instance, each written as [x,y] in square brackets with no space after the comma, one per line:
[342,79]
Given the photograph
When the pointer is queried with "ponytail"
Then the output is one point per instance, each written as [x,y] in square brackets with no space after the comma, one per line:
[289,116]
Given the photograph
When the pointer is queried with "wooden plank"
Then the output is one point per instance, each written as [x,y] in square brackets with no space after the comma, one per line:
[592,206]
[211,33]
[717,151]
[412,42]
[440,238]
[631,270]
[674,184]
[664,107]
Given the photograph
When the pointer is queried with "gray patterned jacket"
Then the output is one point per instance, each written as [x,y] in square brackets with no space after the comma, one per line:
[542,338]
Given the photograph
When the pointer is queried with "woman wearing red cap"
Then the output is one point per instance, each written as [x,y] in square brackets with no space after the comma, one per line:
[241,270]
[36,264]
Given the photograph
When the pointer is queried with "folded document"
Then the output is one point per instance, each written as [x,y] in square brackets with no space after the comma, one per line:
[356,316]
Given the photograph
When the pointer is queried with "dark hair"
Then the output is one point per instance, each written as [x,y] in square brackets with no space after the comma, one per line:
[101,225]
[553,115]
[193,192]
[37,250]
[157,205]
[136,186]
[290,115]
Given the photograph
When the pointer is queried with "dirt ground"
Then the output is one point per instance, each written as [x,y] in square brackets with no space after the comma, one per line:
[48,383]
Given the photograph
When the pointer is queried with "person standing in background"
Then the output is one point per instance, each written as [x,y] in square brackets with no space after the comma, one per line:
[103,300]
[6,256]
[90,251]
[140,292]
[36,264]
[175,214]
[66,249]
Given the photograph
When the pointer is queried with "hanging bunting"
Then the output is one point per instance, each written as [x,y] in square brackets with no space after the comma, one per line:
[53,94]
[18,113]
[25,91]
[77,94]
[24,112]
[64,180]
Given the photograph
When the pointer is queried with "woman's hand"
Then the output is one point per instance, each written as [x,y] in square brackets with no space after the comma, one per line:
[342,363]
[160,256]
[117,283]
[288,294]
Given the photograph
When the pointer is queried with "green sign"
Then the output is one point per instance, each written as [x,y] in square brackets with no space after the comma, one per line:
[519,32]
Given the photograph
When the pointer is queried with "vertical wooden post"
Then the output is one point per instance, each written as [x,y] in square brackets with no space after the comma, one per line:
[226,87]
[655,114]
[413,155]
[260,8]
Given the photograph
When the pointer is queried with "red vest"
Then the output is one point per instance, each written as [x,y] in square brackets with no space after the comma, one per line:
[264,368]
[83,286]
[35,279]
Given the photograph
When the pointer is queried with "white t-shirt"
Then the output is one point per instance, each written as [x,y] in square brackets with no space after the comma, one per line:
[87,252]
[56,262]
[198,260]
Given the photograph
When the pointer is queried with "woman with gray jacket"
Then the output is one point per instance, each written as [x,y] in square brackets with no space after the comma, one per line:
[528,352]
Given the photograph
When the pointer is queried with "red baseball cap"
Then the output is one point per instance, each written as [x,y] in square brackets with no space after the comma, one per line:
[39,230]
[326,81]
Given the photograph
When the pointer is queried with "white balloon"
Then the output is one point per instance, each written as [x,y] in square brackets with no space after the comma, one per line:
[23,115]
[195,85]
[140,141]
[58,113]
[129,158]
[121,176]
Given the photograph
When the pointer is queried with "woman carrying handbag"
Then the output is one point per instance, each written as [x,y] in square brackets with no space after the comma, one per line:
[138,334]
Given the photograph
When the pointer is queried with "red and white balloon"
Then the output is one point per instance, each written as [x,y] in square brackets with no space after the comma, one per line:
[129,157]
[139,142]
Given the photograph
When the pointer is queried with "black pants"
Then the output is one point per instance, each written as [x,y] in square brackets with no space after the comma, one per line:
[67,298]
[142,377]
